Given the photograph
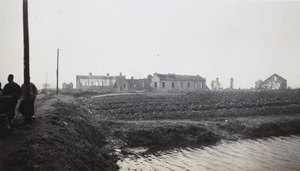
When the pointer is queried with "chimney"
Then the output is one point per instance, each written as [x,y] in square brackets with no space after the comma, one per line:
[132,78]
[90,74]
[120,73]
[231,83]
[107,74]
[217,79]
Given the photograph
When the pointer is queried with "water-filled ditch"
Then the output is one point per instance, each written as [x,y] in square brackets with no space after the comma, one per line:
[275,153]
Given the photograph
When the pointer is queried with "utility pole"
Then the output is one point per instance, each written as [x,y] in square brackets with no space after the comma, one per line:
[57,72]
[46,80]
[26,86]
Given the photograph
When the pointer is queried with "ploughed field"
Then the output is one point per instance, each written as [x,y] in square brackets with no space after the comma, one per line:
[195,118]
[152,106]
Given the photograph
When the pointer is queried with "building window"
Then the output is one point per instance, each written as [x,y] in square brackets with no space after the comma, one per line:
[134,85]
[155,84]
[173,85]
[188,85]
[96,83]
[275,78]
[195,85]
[163,84]
[201,85]
[181,84]
[143,84]
[124,86]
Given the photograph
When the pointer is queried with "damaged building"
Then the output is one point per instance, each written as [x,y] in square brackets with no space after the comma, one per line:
[66,86]
[215,84]
[173,82]
[132,84]
[161,82]
[111,83]
[274,82]
[259,84]
[99,83]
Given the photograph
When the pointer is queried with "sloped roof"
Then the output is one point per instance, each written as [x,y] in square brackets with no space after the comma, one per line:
[174,77]
[278,76]
[259,81]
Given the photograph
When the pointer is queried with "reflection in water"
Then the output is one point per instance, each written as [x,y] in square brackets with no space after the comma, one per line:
[277,153]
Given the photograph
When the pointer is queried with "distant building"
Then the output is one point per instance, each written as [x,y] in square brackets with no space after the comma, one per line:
[66,86]
[215,84]
[274,82]
[259,84]
[159,82]
[99,83]
[172,82]
[137,84]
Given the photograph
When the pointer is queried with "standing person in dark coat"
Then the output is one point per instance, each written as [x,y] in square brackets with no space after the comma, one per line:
[33,93]
[12,89]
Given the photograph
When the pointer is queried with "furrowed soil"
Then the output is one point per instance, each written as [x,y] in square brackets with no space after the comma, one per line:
[86,130]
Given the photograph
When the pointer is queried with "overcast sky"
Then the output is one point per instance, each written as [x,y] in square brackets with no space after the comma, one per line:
[245,40]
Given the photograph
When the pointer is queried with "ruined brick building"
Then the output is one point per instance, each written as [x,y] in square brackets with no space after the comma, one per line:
[274,82]
[99,83]
[66,86]
[215,84]
[136,84]
[157,82]
[173,82]
[259,84]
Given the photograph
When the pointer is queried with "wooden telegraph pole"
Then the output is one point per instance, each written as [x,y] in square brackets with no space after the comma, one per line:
[26,86]
[46,81]
[57,72]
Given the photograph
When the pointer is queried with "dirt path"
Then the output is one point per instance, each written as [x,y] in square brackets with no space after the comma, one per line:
[18,146]
[54,141]
[114,94]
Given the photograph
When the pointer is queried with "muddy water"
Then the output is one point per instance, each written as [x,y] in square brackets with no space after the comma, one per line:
[277,153]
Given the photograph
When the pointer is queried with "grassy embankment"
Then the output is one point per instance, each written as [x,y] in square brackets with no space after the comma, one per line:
[62,137]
